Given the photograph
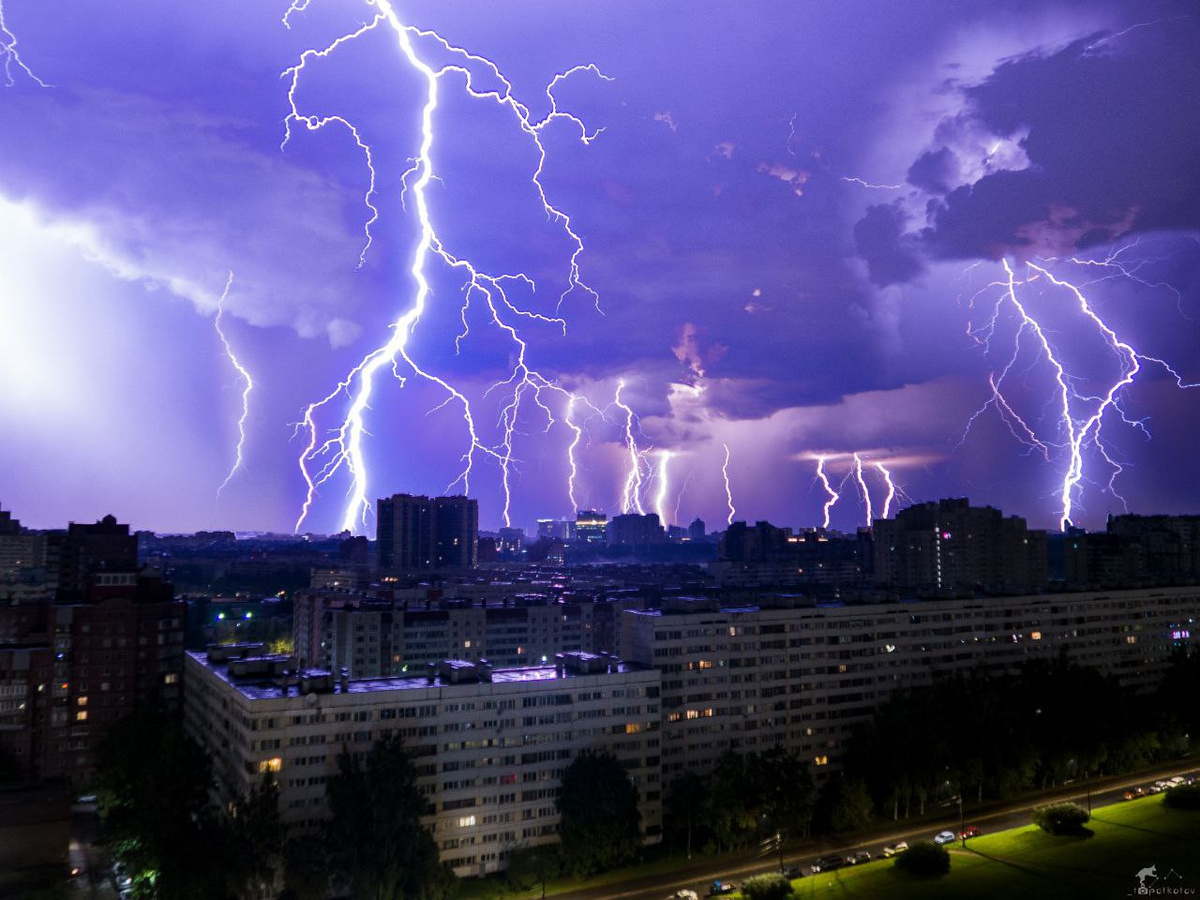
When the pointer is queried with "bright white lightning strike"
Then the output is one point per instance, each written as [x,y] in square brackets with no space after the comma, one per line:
[728,487]
[244,375]
[834,496]
[12,58]
[1079,417]
[322,459]
[891,489]
[664,486]
[631,495]
[862,486]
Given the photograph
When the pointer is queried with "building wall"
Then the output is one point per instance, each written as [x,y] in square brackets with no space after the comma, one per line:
[749,679]
[489,756]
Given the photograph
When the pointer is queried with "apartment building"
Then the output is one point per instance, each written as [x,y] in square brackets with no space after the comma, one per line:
[490,745]
[802,676]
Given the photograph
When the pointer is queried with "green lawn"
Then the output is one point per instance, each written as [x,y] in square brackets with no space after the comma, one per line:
[1028,864]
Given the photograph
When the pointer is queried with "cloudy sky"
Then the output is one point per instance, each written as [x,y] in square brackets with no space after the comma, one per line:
[957,240]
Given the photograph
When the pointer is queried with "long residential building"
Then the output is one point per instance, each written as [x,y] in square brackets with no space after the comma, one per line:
[802,675]
[490,746]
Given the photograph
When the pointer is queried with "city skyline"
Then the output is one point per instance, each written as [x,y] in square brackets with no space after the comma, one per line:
[788,261]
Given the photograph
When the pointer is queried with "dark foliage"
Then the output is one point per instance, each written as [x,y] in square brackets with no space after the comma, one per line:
[748,795]
[305,868]
[153,792]
[1186,796]
[377,845]
[599,818]
[533,867]
[925,859]
[767,887]
[1061,818]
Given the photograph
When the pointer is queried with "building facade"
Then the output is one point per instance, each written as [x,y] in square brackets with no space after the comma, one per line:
[803,676]
[421,533]
[490,746]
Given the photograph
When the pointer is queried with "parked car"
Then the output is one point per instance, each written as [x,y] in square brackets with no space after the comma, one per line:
[858,857]
[970,831]
[828,863]
[1176,781]
[943,837]
[686,894]
[720,888]
[1134,793]
[893,849]
[793,872]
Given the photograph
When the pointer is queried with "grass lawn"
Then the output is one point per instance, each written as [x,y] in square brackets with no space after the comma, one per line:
[1028,864]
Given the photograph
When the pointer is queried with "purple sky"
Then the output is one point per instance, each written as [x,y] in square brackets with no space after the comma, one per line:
[796,221]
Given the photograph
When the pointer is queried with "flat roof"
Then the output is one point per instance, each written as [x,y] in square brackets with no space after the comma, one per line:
[263,687]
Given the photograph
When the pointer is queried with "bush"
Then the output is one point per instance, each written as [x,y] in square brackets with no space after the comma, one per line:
[767,887]
[1186,796]
[1061,818]
[926,859]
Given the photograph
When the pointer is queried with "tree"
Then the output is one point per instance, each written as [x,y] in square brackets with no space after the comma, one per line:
[771,886]
[599,818]
[530,867]
[377,844]
[305,868]
[926,859]
[685,811]
[1061,818]
[256,837]
[152,787]
[851,805]
[1186,796]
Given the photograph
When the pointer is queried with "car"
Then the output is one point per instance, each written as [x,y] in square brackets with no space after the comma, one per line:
[685,894]
[1177,780]
[1156,788]
[791,873]
[970,831]
[943,837]
[720,888]
[828,863]
[893,849]
[857,857]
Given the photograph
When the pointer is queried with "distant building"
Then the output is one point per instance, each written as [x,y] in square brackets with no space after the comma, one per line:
[557,529]
[1169,545]
[86,549]
[418,533]
[696,530]
[510,540]
[631,529]
[953,545]
[591,527]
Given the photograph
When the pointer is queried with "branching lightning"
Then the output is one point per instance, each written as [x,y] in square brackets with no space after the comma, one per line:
[856,472]
[1077,414]
[728,487]
[13,64]
[244,374]
[631,496]
[342,449]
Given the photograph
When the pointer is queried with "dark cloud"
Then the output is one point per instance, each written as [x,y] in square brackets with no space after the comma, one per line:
[934,171]
[882,242]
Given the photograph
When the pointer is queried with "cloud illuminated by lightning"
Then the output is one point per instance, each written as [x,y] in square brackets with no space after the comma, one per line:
[728,487]
[244,375]
[1078,415]
[13,64]
[343,449]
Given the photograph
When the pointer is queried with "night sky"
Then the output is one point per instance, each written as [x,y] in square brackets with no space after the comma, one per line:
[957,239]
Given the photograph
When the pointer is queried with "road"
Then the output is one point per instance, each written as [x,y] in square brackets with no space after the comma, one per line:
[990,818]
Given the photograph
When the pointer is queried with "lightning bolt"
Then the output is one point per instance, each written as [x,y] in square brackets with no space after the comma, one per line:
[854,179]
[862,486]
[728,487]
[342,448]
[13,64]
[243,374]
[834,496]
[1078,415]
[631,496]
[660,497]
[891,489]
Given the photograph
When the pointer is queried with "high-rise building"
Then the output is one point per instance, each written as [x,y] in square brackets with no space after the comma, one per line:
[631,529]
[696,530]
[557,529]
[591,527]
[417,533]
[951,544]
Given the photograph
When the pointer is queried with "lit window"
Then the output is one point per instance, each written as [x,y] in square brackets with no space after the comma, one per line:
[466,821]
[81,716]
[274,764]
[821,760]
[171,678]
[632,727]
[82,701]
[1035,635]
